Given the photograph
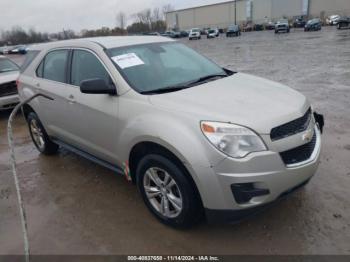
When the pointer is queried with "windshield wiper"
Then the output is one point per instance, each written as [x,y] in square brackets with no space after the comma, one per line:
[165,89]
[182,86]
[205,78]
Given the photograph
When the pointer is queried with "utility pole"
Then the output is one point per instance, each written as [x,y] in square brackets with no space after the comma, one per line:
[235,12]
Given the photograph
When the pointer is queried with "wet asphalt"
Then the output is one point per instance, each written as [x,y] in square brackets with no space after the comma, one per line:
[77,207]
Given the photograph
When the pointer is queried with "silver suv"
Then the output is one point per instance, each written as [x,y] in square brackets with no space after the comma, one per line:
[197,139]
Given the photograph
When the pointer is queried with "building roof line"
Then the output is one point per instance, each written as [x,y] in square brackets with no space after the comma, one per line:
[194,7]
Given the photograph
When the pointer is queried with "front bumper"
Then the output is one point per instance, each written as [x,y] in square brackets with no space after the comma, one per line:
[263,171]
[8,102]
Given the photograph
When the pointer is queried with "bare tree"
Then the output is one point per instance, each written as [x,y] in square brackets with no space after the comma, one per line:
[121,20]
[167,8]
[156,16]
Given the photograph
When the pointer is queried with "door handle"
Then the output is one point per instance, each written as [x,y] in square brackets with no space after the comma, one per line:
[71,99]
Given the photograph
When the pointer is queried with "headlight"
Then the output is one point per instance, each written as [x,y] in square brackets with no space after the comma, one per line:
[233,140]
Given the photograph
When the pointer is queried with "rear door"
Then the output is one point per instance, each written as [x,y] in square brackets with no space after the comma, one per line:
[52,80]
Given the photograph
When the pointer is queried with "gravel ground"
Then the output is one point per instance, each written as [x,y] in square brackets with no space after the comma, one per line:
[76,207]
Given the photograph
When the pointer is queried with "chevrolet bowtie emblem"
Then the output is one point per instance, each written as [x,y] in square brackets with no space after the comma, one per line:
[307,136]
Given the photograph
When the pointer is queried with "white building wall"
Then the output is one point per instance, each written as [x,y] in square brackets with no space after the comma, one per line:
[329,7]
[261,10]
[286,8]
[222,15]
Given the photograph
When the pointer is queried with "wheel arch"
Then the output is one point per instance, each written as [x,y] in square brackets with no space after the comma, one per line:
[143,148]
[26,110]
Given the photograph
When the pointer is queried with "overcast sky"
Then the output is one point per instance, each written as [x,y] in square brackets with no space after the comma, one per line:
[54,15]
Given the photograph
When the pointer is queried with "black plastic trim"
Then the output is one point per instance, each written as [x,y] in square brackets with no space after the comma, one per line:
[236,216]
[88,156]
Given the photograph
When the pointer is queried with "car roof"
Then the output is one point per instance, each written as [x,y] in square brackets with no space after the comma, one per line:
[106,42]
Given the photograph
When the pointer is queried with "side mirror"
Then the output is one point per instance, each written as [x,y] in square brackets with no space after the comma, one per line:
[97,86]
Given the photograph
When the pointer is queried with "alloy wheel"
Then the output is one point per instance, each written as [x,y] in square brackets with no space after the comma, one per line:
[37,134]
[162,192]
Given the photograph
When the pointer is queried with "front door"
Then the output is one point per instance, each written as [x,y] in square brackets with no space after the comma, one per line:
[93,117]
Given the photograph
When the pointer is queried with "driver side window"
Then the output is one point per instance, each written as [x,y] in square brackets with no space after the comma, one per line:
[85,65]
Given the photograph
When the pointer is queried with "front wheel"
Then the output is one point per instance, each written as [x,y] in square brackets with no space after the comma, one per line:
[39,136]
[168,192]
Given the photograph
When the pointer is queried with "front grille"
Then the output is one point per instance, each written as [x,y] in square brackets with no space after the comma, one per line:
[291,128]
[299,154]
[8,89]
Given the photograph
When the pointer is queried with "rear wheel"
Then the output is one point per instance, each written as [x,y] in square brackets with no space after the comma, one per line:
[168,192]
[39,136]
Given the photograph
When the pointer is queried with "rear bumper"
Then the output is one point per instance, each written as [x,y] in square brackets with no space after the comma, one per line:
[8,102]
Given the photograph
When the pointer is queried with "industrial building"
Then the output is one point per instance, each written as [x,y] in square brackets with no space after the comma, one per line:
[223,14]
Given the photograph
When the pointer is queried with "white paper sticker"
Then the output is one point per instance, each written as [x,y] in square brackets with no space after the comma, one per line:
[127,60]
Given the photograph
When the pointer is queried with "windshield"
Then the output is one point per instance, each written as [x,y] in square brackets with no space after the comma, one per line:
[6,66]
[211,31]
[155,66]
[195,30]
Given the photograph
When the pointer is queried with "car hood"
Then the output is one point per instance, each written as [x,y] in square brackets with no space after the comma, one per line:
[8,77]
[241,99]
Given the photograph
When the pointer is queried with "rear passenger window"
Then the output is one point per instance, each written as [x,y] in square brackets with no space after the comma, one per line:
[85,65]
[55,66]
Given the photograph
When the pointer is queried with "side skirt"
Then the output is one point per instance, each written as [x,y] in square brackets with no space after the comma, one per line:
[88,156]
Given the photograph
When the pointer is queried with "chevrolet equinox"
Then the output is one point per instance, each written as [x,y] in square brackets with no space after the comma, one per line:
[197,139]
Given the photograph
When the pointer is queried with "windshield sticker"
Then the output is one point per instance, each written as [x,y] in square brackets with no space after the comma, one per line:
[127,60]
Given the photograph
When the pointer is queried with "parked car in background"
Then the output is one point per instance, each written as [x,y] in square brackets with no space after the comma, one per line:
[299,22]
[212,33]
[344,22]
[9,73]
[233,30]
[151,33]
[184,34]
[270,25]
[282,26]
[248,27]
[258,27]
[313,25]
[16,49]
[204,31]
[23,49]
[4,50]
[171,34]
[333,19]
[195,33]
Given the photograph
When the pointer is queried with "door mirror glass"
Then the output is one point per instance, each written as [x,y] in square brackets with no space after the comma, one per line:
[97,86]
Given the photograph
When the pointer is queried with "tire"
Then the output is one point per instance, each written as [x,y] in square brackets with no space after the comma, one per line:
[39,136]
[185,215]
[276,32]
